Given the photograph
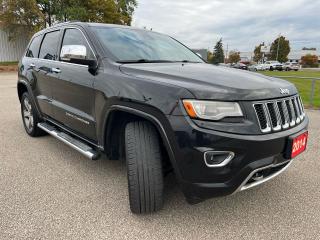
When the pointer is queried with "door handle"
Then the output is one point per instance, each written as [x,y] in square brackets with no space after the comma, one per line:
[56,70]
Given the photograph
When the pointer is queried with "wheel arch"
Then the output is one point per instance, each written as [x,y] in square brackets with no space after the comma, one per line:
[22,87]
[119,115]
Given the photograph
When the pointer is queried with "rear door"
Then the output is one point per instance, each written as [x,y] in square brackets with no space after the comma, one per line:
[45,71]
[73,96]
[30,68]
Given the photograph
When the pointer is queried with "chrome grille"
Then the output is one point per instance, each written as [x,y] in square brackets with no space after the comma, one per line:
[279,114]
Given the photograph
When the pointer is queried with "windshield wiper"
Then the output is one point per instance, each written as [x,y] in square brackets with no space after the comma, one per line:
[144,61]
[188,61]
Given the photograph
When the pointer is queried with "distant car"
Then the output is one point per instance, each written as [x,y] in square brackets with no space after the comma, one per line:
[256,67]
[291,66]
[240,66]
[273,65]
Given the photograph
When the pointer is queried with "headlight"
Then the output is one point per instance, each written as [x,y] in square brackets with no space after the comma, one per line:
[212,110]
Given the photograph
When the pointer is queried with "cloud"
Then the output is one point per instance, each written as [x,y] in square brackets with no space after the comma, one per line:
[242,24]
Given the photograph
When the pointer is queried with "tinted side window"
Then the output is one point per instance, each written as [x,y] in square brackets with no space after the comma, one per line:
[74,36]
[49,46]
[33,50]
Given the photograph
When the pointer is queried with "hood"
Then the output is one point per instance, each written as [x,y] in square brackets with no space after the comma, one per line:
[207,81]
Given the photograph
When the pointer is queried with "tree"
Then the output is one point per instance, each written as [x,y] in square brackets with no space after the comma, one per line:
[218,54]
[106,11]
[234,57]
[309,60]
[126,8]
[280,49]
[210,57]
[36,14]
[15,13]
[258,55]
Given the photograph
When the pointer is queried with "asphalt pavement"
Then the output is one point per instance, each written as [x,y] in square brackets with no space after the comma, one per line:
[50,191]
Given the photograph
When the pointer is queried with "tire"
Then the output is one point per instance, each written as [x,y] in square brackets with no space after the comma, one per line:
[144,167]
[271,68]
[30,117]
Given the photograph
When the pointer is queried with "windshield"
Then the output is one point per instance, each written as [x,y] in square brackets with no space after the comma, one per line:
[131,45]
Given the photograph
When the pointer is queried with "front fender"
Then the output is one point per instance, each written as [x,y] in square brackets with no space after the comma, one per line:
[148,113]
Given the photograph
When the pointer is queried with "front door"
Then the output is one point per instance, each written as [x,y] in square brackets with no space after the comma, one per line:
[73,94]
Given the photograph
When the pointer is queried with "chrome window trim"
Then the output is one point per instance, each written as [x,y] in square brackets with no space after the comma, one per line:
[79,65]
[63,29]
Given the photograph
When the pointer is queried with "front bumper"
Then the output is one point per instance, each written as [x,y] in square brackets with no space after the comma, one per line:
[253,153]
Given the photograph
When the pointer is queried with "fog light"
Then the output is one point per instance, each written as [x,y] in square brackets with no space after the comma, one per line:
[218,158]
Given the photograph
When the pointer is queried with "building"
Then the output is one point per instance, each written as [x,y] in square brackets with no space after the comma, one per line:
[11,51]
[295,55]
[246,57]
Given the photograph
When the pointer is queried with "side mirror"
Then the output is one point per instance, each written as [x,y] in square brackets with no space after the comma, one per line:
[78,54]
[72,53]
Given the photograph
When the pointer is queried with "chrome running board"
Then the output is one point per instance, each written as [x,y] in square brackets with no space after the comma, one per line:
[245,185]
[76,144]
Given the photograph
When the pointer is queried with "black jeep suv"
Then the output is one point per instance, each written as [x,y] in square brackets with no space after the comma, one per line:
[146,98]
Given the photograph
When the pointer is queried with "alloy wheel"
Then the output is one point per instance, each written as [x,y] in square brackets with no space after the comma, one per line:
[27,114]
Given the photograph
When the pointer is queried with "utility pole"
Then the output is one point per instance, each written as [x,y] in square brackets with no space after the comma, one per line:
[226,57]
[278,46]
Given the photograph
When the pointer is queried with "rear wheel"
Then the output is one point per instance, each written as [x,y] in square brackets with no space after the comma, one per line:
[30,117]
[144,167]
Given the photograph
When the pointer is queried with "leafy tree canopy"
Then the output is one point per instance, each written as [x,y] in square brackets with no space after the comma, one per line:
[258,55]
[37,14]
[309,60]
[280,49]
[234,57]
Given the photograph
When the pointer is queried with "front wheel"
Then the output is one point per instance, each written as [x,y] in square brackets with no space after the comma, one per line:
[30,117]
[144,167]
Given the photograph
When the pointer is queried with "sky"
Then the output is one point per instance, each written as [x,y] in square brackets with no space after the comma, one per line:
[242,24]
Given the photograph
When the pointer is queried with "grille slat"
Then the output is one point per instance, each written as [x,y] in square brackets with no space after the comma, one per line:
[296,112]
[279,114]
[274,116]
[262,117]
[300,108]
